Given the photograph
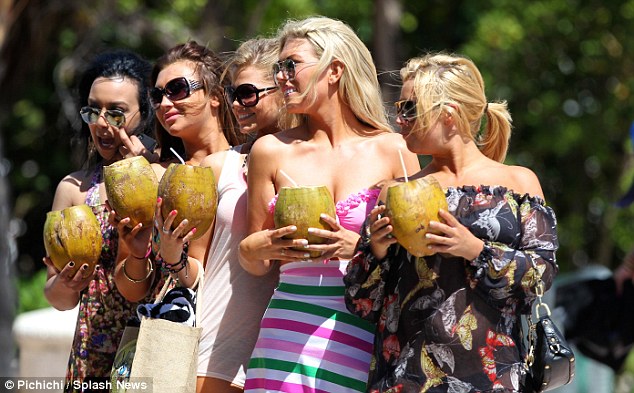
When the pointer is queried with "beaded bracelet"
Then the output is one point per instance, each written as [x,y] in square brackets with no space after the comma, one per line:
[125,273]
[177,266]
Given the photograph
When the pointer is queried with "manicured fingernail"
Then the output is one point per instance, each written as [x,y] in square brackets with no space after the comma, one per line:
[173,212]
[311,230]
[71,264]
[306,255]
[185,221]
[427,236]
[159,199]
[193,229]
[293,228]
[304,242]
[322,215]
[85,267]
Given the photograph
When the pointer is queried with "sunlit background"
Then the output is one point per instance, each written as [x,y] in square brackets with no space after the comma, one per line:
[564,66]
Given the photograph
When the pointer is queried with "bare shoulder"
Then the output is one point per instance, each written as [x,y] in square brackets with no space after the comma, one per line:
[390,141]
[523,180]
[71,190]
[272,144]
[215,161]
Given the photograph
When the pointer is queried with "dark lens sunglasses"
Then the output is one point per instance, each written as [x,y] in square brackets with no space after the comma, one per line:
[406,109]
[114,117]
[175,90]
[247,94]
[287,67]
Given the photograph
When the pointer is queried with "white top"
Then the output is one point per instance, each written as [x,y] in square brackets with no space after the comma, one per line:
[234,300]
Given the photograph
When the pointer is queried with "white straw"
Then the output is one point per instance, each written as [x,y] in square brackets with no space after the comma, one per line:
[402,164]
[179,157]
[289,178]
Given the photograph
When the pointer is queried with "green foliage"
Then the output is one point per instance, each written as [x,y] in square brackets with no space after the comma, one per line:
[563,66]
[31,292]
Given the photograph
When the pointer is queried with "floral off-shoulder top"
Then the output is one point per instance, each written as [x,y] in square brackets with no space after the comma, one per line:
[446,324]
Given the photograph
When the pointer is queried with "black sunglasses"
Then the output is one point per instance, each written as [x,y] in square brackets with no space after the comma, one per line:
[406,109]
[175,90]
[247,94]
[90,115]
[287,67]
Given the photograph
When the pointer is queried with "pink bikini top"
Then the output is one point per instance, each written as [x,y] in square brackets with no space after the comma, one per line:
[352,211]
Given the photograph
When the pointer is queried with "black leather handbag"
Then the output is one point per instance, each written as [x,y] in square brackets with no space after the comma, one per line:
[550,362]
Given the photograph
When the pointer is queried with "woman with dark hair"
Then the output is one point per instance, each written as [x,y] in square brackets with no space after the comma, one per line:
[193,119]
[114,105]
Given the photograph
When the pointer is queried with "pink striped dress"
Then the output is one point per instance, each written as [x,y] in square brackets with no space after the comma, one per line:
[308,341]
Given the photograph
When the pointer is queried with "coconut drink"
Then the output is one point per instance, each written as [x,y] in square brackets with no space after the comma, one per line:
[302,206]
[191,191]
[131,187]
[73,234]
[410,206]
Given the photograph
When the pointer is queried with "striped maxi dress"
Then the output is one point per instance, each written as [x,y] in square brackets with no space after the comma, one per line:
[308,340]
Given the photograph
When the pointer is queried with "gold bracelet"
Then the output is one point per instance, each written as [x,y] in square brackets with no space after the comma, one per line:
[134,280]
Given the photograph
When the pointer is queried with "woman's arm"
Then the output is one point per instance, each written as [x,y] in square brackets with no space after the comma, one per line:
[62,289]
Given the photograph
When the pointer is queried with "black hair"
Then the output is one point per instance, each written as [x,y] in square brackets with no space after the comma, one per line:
[116,63]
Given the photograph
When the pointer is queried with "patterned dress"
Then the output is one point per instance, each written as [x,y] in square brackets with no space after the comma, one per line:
[308,341]
[446,324]
[103,311]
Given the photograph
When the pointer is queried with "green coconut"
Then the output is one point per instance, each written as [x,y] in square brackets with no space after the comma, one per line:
[302,207]
[131,188]
[410,206]
[191,191]
[73,234]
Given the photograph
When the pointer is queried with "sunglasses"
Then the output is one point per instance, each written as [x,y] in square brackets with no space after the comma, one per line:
[175,90]
[287,67]
[114,117]
[406,109]
[247,94]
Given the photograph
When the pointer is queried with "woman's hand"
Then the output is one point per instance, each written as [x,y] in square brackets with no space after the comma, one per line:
[269,244]
[380,232]
[132,147]
[454,238]
[137,239]
[73,282]
[259,248]
[171,242]
[340,242]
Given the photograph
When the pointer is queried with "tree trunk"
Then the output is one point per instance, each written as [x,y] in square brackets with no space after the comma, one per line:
[386,30]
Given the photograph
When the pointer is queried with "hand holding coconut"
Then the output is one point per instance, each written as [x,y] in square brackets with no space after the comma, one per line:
[338,242]
[75,280]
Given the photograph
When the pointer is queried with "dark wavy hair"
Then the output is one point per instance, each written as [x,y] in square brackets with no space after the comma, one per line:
[116,64]
[209,67]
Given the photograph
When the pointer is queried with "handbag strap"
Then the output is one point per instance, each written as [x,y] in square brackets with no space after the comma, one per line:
[539,303]
[198,284]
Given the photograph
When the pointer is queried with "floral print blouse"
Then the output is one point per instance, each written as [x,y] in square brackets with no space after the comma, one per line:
[103,311]
[446,324]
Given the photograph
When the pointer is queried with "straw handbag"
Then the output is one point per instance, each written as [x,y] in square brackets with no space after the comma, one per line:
[165,353]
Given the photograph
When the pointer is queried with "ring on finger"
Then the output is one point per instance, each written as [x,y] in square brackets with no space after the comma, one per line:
[165,230]
[283,251]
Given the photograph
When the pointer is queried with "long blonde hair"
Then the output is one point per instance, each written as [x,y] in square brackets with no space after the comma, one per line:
[454,83]
[359,86]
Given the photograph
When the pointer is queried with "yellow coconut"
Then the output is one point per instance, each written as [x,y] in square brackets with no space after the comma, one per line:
[73,234]
[301,206]
[410,206]
[131,187]
[52,241]
[191,191]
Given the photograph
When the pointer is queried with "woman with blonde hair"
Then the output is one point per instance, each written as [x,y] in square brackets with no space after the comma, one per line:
[450,321]
[308,341]
[234,299]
